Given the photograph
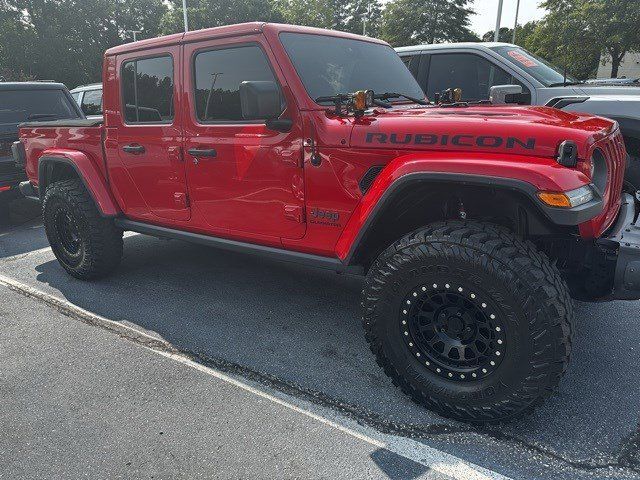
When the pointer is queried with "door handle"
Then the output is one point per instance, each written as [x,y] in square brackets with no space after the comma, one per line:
[135,149]
[203,152]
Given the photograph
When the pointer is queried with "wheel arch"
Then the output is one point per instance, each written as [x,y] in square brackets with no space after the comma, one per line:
[420,198]
[61,165]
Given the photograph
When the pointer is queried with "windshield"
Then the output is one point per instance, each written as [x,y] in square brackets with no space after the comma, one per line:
[331,65]
[543,71]
[18,106]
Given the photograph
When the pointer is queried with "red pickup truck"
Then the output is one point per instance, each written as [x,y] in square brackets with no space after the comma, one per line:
[473,224]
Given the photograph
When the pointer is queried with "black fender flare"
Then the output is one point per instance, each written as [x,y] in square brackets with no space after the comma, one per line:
[558,216]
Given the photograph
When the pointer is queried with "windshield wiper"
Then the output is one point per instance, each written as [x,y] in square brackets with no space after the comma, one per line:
[565,84]
[36,116]
[390,95]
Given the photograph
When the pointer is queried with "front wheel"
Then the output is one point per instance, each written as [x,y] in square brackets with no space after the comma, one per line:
[87,245]
[469,320]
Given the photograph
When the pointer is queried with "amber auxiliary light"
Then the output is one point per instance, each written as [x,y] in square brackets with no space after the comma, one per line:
[572,198]
[362,100]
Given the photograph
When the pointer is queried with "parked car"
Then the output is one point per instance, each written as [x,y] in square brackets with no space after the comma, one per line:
[476,67]
[27,101]
[469,223]
[89,97]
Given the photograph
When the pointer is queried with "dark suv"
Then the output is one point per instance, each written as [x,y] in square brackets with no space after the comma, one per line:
[28,102]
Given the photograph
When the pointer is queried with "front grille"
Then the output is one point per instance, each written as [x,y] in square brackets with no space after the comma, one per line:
[615,154]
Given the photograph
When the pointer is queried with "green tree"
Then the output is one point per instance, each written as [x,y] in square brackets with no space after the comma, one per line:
[563,39]
[215,13]
[64,40]
[505,35]
[344,15]
[576,29]
[615,24]
[407,22]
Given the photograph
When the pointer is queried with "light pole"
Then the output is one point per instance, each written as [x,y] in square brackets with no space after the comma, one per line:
[496,34]
[515,25]
[184,14]
[134,32]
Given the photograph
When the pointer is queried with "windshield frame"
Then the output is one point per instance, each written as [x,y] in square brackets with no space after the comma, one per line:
[295,64]
[501,51]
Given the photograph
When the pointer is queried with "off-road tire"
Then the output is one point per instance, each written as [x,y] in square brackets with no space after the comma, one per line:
[519,283]
[97,241]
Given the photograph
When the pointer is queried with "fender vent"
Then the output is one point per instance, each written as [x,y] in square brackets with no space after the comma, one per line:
[369,177]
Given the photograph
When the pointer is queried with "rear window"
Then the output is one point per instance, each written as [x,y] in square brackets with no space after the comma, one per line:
[18,106]
[147,90]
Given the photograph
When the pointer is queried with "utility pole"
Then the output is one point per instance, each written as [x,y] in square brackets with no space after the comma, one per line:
[184,14]
[515,24]
[134,32]
[496,34]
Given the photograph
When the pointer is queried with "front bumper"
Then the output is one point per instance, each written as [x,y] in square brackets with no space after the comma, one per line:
[623,241]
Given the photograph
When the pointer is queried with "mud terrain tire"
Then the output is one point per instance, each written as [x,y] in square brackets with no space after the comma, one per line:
[87,245]
[512,299]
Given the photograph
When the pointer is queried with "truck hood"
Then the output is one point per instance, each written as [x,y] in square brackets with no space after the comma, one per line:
[533,131]
[606,90]
[614,106]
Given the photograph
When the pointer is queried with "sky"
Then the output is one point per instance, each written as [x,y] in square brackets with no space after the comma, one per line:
[486,10]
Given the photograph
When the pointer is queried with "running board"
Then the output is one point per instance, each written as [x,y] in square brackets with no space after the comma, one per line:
[242,247]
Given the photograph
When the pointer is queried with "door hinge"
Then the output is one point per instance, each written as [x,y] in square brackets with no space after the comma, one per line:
[181,199]
[294,212]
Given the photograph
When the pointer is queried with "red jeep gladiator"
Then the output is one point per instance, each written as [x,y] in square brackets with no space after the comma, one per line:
[474,225]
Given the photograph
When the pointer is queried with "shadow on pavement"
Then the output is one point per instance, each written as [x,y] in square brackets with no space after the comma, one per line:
[19,217]
[302,325]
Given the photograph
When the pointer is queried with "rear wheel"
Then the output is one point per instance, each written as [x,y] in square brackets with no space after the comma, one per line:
[469,320]
[86,244]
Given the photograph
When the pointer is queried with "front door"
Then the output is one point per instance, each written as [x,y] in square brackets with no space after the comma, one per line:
[245,180]
[149,137]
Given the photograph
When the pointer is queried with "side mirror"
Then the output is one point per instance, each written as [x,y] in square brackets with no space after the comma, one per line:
[260,100]
[504,94]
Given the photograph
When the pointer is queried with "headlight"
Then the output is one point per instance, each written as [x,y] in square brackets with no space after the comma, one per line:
[572,198]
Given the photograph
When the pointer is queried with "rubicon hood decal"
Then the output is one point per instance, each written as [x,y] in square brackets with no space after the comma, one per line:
[460,140]
[533,131]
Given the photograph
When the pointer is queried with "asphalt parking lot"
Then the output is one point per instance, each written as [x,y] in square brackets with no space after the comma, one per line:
[85,397]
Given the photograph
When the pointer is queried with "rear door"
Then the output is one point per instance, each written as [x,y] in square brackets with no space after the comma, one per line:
[149,136]
[248,180]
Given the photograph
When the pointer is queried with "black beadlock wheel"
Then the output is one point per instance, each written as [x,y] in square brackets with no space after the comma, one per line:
[453,329]
[469,320]
[87,245]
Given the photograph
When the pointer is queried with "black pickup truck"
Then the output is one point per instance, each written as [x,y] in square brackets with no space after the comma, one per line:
[27,102]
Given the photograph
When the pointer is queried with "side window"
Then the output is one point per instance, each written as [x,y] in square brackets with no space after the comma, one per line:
[218,74]
[147,90]
[411,61]
[474,74]
[76,97]
[92,102]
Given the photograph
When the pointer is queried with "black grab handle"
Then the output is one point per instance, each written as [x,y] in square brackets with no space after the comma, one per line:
[203,152]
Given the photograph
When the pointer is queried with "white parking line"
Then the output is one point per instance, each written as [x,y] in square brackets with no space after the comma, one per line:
[436,460]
